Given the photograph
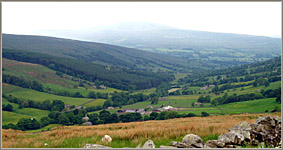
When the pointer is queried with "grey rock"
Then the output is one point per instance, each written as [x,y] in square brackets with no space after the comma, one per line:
[179,144]
[148,144]
[193,140]
[231,138]
[95,146]
[214,144]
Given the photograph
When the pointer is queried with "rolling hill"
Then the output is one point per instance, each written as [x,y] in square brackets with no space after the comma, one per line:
[98,53]
[217,48]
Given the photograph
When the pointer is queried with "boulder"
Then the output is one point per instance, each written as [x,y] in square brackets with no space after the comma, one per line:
[214,144]
[179,144]
[95,146]
[231,137]
[193,140]
[106,138]
[148,144]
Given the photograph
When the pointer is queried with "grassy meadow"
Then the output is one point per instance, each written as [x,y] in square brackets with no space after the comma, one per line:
[127,134]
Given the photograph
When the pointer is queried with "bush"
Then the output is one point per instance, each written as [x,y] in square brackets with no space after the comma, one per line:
[10,126]
[28,124]
[191,115]
[204,114]
[7,107]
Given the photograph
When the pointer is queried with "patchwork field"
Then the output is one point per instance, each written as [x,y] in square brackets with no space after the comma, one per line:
[127,134]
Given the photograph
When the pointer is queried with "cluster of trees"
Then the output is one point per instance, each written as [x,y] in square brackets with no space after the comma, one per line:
[104,117]
[123,98]
[246,97]
[205,99]
[272,93]
[55,105]
[55,117]
[117,78]
[22,82]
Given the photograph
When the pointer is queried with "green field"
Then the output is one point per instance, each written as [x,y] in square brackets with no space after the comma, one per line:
[17,114]
[254,106]
[95,103]
[40,96]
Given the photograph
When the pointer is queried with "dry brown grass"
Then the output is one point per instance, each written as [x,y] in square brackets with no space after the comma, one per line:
[135,132]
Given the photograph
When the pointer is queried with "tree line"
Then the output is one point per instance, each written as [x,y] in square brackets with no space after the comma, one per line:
[103,117]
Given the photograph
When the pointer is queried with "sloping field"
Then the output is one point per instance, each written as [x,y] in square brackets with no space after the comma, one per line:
[127,134]
[40,96]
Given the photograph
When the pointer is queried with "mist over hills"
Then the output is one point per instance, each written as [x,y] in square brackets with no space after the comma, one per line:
[216,48]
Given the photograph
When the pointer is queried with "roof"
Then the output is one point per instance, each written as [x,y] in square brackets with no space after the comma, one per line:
[168,107]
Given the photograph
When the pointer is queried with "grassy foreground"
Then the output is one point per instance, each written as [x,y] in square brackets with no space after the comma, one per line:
[127,134]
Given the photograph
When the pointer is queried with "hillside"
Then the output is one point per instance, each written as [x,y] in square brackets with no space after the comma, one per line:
[124,79]
[98,53]
[217,48]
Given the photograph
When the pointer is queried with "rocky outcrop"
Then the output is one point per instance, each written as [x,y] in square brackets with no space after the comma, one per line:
[148,144]
[265,131]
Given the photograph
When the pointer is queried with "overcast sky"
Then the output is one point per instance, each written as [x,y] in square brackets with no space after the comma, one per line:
[254,18]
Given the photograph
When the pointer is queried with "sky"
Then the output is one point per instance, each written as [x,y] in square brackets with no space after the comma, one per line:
[253,18]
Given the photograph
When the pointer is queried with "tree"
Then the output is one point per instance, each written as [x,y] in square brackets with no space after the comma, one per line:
[57,105]
[161,115]
[191,115]
[193,104]
[63,119]
[114,118]
[154,100]
[7,107]
[44,121]
[105,116]
[28,124]
[146,117]
[45,105]
[91,95]
[171,115]
[153,115]
[78,94]
[10,126]
[204,114]
[93,118]
[107,103]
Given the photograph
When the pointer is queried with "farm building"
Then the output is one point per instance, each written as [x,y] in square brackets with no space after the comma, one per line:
[197,103]
[67,106]
[110,108]
[167,107]
[102,86]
